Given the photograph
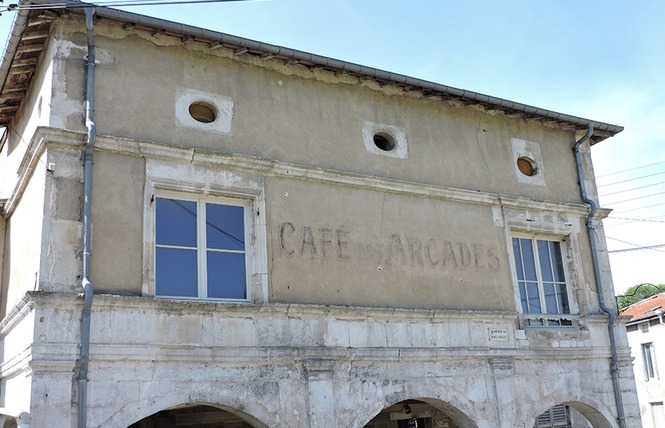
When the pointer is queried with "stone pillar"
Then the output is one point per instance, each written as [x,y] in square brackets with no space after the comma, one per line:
[320,397]
[502,371]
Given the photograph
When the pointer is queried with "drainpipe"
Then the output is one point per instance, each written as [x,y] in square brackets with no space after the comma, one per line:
[599,285]
[87,194]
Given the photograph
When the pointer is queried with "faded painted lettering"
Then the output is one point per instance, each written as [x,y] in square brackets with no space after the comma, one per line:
[396,249]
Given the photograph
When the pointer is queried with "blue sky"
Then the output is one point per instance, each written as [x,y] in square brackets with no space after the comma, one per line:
[597,59]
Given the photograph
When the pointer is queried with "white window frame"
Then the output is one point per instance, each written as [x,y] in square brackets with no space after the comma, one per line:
[192,181]
[541,320]
[649,361]
[201,248]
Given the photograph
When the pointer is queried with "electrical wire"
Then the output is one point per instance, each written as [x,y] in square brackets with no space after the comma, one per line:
[637,246]
[631,189]
[633,220]
[632,179]
[631,169]
[634,199]
[640,208]
[15,6]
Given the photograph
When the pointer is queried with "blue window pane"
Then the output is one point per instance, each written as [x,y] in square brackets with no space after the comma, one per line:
[226,275]
[544,259]
[176,222]
[555,250]
[528,260]
[523,298]
[562,297]
[225,227]
[518,259]
[176,273]
[534,299]
[550,298]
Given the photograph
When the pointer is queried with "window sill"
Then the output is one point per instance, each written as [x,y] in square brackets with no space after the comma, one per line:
[549,321]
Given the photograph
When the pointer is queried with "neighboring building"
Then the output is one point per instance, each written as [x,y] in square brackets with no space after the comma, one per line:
[281,239]
[646,336]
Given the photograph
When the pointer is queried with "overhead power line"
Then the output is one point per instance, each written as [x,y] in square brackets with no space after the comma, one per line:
[632,179]
[633,220]
[640,208]
[634,199]
[631,169]
[632,189]
[66,5]
[637,246]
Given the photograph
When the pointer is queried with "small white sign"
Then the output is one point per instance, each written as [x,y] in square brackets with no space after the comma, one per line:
[498,334]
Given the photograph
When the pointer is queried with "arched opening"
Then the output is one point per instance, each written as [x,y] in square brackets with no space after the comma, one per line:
[420,413]
[571,415]
[199,416]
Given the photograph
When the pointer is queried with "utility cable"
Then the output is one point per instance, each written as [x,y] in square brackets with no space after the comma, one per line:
[634,199]
[633,220]
[631,169]
[631,189]
[632,179]
[15,6]
[640,208]
[637,246]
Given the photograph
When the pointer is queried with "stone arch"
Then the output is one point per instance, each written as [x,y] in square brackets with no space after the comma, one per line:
[453,411]
[205,413]
[249,407]
[594,412]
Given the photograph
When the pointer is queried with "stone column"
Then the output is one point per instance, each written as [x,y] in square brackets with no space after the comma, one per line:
[320,398]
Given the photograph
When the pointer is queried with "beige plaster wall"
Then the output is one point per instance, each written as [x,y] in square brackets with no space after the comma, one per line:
[23,249]
[289,113]
[117,217]
[327,243]
[340,245]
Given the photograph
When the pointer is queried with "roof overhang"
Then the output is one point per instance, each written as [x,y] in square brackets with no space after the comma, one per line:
[31,28]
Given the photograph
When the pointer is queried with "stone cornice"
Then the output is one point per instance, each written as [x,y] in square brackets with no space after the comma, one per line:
[59,137]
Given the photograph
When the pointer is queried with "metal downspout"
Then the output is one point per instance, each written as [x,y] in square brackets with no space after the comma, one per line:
[599,285]
[87,195]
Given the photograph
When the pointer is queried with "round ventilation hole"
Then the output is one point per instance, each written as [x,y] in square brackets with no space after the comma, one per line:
[527,166]
[384,141]
[202,112]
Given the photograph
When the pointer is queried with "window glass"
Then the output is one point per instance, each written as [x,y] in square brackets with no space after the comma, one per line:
[528,259]
[534,298]
[518,260]
[226,275]
[558,265]
[541,280]
[648,360]
[544,260]
[200,250]
[176,272]
[225,228]
[176,222]
[523,298]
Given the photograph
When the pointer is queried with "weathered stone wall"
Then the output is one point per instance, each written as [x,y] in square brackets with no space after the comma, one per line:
[307,366]
[375,277]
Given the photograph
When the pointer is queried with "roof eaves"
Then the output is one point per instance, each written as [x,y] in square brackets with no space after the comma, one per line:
[602,130]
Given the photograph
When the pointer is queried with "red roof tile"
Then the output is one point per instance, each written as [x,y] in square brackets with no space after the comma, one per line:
[645,308]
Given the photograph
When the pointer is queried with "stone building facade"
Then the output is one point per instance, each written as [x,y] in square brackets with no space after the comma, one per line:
[279,239]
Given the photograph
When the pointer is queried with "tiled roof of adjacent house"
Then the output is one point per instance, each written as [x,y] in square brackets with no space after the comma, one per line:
[646,308]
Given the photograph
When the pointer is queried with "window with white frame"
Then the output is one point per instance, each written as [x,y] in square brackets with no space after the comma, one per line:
[541,279]
[648,360]
[201,247]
